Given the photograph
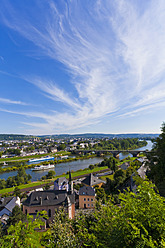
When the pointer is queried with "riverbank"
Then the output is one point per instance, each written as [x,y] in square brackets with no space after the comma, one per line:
[63,166]
[28,166]
[26,158]
[32,185]
[75,174]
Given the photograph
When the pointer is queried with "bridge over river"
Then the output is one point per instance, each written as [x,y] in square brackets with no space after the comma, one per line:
[115,153]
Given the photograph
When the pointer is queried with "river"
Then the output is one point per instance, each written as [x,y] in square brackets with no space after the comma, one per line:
[74,165]
[147,147]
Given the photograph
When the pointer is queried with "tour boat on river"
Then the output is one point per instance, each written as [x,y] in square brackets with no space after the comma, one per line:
[43,167]
[40,159]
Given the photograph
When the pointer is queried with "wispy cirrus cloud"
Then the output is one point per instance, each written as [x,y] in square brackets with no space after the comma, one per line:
[2,58]
[113,50]
[9,101]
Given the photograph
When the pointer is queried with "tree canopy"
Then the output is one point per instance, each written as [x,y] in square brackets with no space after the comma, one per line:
[157,162]
[139,221]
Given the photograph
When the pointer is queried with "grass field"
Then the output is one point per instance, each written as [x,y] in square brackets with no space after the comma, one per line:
[108,176]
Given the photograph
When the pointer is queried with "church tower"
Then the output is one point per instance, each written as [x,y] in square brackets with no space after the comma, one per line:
[70,184]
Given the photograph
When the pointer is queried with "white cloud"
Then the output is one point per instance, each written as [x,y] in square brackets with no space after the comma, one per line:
[9,101]
[113,50]
[2,58]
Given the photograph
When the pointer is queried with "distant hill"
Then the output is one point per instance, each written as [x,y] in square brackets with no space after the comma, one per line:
[102,135]
[86,135]
[15,137]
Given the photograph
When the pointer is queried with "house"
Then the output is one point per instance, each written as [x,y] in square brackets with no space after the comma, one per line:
[6,206]
[61,183]
[86,197]
[83,145]
[92,180]
[50,201]
[53,149]
[141,159]
[124,166]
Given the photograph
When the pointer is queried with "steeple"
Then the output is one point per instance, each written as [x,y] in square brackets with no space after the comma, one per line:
[70,177]
[70,184]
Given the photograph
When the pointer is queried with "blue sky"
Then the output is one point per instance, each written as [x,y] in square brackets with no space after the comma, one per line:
[78,66]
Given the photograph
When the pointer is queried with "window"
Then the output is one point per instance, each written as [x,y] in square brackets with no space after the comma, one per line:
[49,213]
[88,199]
[91,199]
[88,205]
[91,205]
[25,211]
[84,199]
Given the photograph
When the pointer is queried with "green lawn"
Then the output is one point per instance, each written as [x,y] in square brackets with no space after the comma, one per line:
[87,171]
[108,176]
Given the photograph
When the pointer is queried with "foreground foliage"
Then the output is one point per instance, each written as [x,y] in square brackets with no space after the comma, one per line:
[139,221]
[157,162]
[23,233]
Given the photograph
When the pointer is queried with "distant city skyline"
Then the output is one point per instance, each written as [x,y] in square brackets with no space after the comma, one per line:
[78,66]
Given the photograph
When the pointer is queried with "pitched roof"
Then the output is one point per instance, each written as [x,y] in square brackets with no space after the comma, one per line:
[92,180]
[11,204]
[61,180]
[87,190]
[4,201]
[124,166]
[49,198]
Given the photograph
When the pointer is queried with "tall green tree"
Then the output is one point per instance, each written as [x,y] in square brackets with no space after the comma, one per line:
[16,216]
[17,191]
[157,162]
[119,177]
[60,233]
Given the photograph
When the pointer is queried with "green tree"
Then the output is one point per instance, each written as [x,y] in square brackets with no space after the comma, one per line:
[157,162]
[23,234]
[16,216]
[109,186]
[17,191]
[114,166]
[100,194]
[9,182]
[129,171]
[2,183]
[91,166]
[22,177]
[17,152]
[119,177]
[50,174]
[61,232]
[1,154]
[47,186]
[61,147]
[139,221]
